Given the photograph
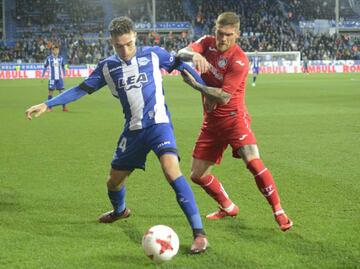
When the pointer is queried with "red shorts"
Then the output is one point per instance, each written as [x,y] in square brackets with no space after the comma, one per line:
[215,137]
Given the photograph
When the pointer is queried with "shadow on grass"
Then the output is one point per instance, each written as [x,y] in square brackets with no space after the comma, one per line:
[321,254]
[132,232]
[329,254]
[9,200]
[124,261]
[9,206]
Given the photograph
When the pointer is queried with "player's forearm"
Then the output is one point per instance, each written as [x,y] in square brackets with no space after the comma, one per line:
[220,96]
[183,66]
[186,54]
[66,97]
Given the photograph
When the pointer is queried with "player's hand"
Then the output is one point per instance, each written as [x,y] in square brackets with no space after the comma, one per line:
[200,63]
[209,103]
[189,79]
[38,110]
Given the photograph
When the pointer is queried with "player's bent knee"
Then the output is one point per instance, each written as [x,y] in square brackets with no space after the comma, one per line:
[196,178]
[170,166]
[249,153]
[111,184]
[172,175]
[116,179]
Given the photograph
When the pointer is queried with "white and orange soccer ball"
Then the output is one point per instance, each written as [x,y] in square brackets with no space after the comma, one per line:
[160,243]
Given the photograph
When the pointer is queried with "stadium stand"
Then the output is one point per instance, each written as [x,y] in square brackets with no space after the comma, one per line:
[137,10]
[57,17]
[312,10]
[275,25]
[173,12]
[1,21]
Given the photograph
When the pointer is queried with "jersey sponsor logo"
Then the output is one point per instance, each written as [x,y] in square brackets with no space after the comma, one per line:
[222,62]
[243,137]
[216,73]
[212,49]
[115,68]
[143,61]
[163,144]
[134,81]
[240,63]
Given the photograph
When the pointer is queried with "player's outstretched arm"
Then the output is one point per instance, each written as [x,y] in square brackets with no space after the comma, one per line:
[66,97]
[215,94]
[62,99]
[37,109]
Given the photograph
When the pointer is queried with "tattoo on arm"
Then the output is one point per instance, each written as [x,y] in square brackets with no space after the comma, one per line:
[186,54]
[216,93]
[221,97]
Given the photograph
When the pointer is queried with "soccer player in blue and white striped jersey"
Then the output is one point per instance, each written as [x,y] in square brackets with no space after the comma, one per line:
[255,60]
[133,76]
[54,64]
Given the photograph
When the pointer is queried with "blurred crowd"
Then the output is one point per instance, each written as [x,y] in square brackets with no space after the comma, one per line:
[170,12]
[73,47]
[299,10]
[77,50]
[53,16]
[265,26]
[141,11]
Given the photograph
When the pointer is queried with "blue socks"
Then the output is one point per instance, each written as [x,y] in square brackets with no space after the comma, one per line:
[49,98]
[186,200]
[117,199]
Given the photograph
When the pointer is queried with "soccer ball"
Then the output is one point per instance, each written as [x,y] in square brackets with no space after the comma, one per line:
[160,243]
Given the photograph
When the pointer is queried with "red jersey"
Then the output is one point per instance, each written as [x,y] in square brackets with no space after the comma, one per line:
[228,70]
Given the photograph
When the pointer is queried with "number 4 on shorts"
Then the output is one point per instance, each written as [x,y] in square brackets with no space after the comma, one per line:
[122,144]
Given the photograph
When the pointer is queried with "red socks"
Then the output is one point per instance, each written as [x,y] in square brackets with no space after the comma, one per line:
[263,179]
[214,188]
[265,183]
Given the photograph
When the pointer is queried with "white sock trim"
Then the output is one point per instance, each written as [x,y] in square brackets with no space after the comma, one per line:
[279,212]
[262,171]
[229,208]
[212,179]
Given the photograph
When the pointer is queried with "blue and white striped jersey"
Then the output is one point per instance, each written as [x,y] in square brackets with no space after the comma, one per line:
[56,67]
[255,62]
[137,83]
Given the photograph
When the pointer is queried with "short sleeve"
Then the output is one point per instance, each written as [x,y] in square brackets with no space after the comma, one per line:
[46,63]
[200,45]
[166,60]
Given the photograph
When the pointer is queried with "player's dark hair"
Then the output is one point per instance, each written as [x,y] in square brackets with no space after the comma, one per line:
[228,18]
[120,26]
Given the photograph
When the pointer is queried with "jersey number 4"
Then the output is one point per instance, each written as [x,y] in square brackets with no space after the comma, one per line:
[122,144]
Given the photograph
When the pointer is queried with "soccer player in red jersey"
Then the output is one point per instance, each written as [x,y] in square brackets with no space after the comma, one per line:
[224,66]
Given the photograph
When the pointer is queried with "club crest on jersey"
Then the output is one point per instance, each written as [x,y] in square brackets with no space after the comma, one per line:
[143,61]
[222,62]
[134,81]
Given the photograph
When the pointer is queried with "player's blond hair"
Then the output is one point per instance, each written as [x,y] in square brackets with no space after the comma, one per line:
[228,18]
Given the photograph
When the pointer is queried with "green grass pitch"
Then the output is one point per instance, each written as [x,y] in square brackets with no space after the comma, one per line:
[53,173]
